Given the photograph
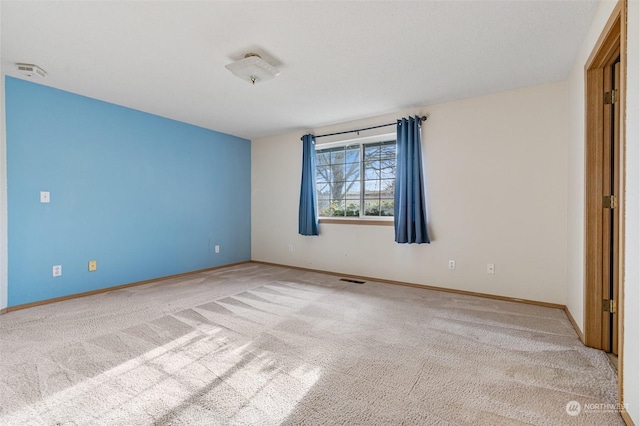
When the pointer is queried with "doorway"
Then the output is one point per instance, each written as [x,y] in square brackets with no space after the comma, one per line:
[604,190]
[610,210]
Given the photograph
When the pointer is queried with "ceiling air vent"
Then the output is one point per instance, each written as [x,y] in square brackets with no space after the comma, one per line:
[31,70]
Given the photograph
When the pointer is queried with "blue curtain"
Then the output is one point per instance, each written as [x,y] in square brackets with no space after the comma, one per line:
[307,217]
[410,218]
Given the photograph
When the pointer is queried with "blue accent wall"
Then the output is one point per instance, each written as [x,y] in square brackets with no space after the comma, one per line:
[143,195]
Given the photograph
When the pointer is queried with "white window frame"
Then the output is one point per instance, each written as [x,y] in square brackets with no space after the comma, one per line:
[362,220]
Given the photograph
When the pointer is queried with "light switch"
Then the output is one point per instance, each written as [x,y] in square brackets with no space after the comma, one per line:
[93,265]
[44,197]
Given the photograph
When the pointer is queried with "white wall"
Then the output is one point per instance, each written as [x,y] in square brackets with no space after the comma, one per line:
[575,223]
[496,183]
[631,367]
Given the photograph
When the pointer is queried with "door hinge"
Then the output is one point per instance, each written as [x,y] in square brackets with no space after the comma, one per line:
[609,305]
[609,202]
[611,97]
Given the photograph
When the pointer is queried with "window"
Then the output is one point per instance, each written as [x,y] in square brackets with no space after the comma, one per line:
[356,180]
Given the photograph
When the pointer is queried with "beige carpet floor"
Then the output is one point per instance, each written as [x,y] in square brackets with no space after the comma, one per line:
[263,345]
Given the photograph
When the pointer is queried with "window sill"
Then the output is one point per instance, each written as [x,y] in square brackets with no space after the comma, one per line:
[376,222]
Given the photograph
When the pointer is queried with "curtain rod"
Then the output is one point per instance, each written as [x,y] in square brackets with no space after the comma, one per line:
[423,118]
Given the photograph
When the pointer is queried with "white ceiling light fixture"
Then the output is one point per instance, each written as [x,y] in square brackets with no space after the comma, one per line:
[253,68]
[31,70]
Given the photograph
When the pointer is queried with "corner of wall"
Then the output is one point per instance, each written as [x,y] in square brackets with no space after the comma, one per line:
[575,199]
[3,201]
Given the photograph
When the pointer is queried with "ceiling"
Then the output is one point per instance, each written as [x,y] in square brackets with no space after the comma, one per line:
[339,60]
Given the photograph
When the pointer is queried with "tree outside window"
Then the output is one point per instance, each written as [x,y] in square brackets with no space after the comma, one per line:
[356,180]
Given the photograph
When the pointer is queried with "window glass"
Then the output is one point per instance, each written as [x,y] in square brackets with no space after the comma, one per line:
[356,180]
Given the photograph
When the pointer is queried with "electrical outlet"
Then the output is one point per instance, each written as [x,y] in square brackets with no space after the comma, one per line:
[57,271]
[491,268]
[452,264]
[93,265]
[217,249]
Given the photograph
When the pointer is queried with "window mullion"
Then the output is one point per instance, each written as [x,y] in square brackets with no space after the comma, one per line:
[380,182]
[362,180]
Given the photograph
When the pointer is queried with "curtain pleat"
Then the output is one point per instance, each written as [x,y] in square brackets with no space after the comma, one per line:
[307,216]
[410,218]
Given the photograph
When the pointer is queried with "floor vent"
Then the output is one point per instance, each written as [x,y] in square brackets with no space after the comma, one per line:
[352,281]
